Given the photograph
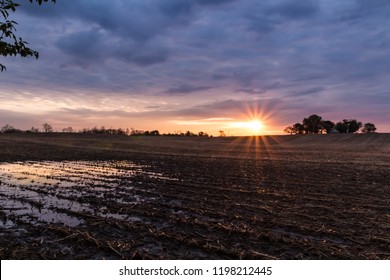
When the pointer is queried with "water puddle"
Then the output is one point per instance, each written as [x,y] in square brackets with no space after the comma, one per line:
[58,192]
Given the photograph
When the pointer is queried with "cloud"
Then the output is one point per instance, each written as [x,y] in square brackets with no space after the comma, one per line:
[182,89]
[150,57]
[251,90]
[262,24]
[122,18]
[96,46]
[84,44]
[228,108]
[296,9]
[264,18]
[176,7]
[203,57]
[372,4]
[363,9]
[139,20]
[309,91]
[214,2]
[18,119]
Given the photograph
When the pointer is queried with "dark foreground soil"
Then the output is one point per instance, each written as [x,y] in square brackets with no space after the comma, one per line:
[108,197]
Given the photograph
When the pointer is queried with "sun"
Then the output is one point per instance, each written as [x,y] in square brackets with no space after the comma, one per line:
[249,127]
[254,125]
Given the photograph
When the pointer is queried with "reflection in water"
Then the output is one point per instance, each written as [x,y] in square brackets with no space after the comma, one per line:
[62,192]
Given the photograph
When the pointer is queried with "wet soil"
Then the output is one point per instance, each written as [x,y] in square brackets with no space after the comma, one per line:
[105,197]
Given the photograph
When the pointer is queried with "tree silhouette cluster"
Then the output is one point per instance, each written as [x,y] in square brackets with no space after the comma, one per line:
[9,129]
[176,133]
[101,130]
[48,128]
[316,125]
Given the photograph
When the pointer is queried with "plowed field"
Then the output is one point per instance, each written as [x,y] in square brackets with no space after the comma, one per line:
[65,196]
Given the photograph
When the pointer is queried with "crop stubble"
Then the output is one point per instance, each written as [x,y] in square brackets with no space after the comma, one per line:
[190,198]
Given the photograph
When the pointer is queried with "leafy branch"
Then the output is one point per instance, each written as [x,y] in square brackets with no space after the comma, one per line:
[10,44]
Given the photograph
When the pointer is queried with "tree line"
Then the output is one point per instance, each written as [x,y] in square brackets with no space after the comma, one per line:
[316,125]
[48,128]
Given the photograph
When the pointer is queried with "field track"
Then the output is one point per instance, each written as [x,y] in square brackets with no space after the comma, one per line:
[75,146]
[71,196]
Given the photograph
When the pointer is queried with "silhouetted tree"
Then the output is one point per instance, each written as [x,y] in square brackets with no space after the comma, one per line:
[348,126]
[342,127]
[121,131]
[289,130]
[222,133]
[9,129]
[315,124]
[155,133]
[68,129]
[312,124]
[189,133]
[299,128]
[354,126]
[136,132]
[328,126]
[369,128]
[10,44]
[47,127]
[34,130]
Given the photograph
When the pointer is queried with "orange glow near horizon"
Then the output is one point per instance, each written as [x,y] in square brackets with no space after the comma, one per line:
[257,118]
[249,117]
[255,126]
[254,118]
[249,127]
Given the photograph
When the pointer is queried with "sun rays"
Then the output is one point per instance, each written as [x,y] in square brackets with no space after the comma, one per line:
[256,119]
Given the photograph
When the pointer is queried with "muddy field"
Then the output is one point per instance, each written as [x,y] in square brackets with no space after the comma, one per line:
[66,196]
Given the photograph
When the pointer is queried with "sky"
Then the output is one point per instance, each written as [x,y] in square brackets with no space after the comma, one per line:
[199,65]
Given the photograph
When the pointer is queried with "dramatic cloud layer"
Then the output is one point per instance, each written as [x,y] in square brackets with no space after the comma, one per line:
[171,64]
